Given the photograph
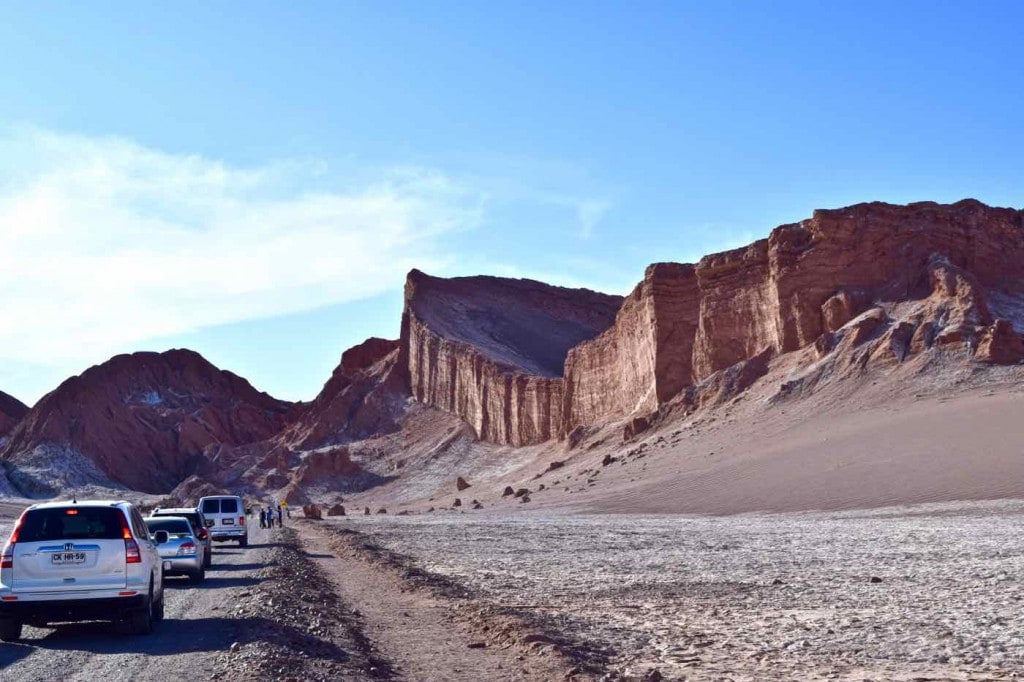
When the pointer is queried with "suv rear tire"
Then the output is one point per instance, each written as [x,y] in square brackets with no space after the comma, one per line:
[197,577]
[10,629]
[158,609]
[140,621]
[244,542]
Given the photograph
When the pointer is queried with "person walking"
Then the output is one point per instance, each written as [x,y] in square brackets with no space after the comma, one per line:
[263,519]
[280,517]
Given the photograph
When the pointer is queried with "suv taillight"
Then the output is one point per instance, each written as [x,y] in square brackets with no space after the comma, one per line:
[187,548]
[7,558]
[131,552]
[131,548]
[241,520]
[202,534]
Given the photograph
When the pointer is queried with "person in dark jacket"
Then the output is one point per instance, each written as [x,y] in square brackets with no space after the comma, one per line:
[280,516]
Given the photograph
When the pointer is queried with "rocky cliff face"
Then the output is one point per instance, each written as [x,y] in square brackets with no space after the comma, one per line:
[12,411]
[142,420]
[492,350]
[644,359]
[809,279]
[935,276]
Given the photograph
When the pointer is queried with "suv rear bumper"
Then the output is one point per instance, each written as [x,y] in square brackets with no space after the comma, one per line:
[66,610]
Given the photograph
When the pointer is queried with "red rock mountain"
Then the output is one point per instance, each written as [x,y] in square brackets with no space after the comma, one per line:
[362,398]
[12,411]
[523,363]
[142,420]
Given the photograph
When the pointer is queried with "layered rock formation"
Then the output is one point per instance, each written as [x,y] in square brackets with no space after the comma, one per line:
[644,359]
[143,420]
[492,350]
[940,276]
[807,279]
[12,411]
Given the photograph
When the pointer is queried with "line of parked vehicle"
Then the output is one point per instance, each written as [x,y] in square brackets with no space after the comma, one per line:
[101,560]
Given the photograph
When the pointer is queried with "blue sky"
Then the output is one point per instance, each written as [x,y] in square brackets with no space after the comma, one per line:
[252,180]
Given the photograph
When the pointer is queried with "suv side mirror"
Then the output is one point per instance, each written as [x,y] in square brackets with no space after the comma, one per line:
[161,537]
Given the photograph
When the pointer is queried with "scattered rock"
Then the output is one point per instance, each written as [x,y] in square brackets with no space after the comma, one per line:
[535,637]
[461,484]
[875,579]
[635,426]
[608,459]
[336,510]
[366,511]
[457,502]
[508,491]
[557,464]
[522,492]
[312,511]
[477,645]
[382,510]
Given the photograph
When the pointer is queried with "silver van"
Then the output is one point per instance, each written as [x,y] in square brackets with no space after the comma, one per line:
[225,517]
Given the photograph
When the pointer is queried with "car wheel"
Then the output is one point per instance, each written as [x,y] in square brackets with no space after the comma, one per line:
[140,621]
[244,542]
[10,629]
[208,559]
[197,577]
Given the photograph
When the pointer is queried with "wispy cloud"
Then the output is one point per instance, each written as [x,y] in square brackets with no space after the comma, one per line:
[105,242]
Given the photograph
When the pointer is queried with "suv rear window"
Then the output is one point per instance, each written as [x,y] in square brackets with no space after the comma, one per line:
[211,506]
[229,506]
[71,523]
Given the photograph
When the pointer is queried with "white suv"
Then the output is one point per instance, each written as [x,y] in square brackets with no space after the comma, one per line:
[70,561]
[225,517]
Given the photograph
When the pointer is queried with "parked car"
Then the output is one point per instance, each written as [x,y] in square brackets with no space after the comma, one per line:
[198,521]
[179,547]
[72,561]
[225,517]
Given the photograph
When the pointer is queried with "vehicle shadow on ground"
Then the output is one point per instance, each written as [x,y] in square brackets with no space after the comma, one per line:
[218,568]
[212,582]
[13,652]
[171,637]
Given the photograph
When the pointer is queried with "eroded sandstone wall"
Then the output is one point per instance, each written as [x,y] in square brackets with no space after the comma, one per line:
[958,267]
[491,350]
[644,359]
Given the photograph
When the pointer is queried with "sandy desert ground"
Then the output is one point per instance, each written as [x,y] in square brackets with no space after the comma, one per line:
[913,593]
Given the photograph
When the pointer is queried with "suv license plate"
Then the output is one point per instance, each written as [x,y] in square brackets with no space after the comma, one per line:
[65,558]
[228,522]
